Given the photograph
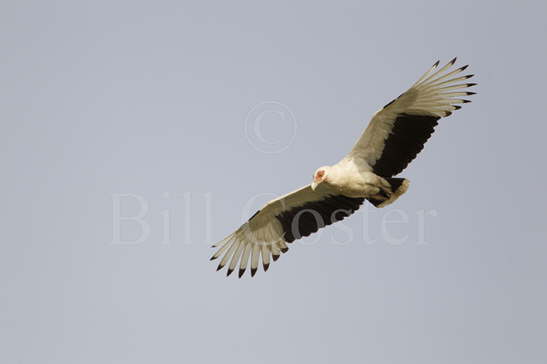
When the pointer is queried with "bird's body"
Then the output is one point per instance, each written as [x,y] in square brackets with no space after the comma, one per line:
[353,177]
[393,138]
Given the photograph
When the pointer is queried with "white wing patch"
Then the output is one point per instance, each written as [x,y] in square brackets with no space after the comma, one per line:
[245,244]
[281,221]
[436,94]
[260,238]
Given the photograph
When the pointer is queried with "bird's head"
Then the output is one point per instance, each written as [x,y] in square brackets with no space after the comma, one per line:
[319,176]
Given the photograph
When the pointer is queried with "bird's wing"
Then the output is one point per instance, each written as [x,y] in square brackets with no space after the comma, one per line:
[398,132]
[281,221]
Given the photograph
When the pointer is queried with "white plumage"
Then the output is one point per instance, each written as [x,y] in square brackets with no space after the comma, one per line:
[393,138]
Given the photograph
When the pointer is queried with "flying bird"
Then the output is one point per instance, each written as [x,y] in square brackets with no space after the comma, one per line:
[392,139]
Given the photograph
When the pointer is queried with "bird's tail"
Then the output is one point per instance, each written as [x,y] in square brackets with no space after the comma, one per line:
[398,187]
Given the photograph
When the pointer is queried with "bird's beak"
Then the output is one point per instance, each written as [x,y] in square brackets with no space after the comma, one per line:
[314,185]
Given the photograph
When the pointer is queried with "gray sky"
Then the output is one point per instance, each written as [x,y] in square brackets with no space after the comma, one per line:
[200,112]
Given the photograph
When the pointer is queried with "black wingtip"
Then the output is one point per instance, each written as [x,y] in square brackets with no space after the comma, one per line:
[469,93]
[471,84]
[466,101]
[448,113]
[229,272]
[469,76]
[284,250]
[453,60]
[457,107]
[253,272]
[436,63]
[219,267]
[464,67]
[241,272]
[266,266]
[275,257]
[213,258]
